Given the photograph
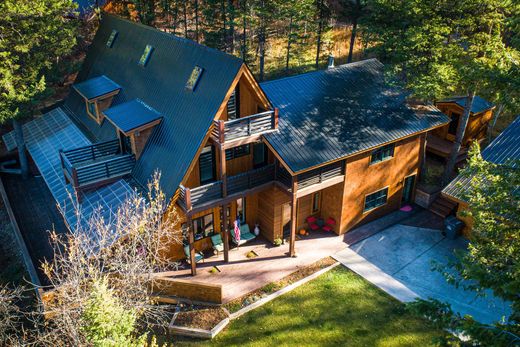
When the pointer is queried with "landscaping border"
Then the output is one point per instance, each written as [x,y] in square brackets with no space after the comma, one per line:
[209,334]
[29,266]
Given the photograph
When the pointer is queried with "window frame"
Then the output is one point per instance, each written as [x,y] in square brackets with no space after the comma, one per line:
[112,38]
[365,209]
[201,218]
[381,150]
[213,167]
[316,202]
[234,151]
[145,57]
[194,78]
[244,211]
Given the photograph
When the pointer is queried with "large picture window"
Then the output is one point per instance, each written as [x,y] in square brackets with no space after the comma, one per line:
[203,226]
[375,199]
[382,153]
[207,167]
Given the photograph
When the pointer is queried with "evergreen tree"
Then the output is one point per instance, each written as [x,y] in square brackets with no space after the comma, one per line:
[35,34]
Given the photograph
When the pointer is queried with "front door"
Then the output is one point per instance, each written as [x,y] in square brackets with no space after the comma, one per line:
[286,219]
[408,189]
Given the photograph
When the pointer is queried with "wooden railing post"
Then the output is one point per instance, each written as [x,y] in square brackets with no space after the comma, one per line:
[248,126]
[191,240]
[223,178]
[294,208]
[275,118]
[187,198]
[221,131]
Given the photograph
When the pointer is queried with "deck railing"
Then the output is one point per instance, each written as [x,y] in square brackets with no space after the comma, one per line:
[225,131]
[96,164]
[320,175]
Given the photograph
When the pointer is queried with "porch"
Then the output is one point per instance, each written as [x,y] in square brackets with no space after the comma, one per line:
[242,275]
[442,147]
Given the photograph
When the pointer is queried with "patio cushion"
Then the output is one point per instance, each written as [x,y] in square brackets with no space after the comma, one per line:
[331,221]
[311,219]
[198,256]
[327,228]
[217,242]
[245,235]
[320,222]
[314,227]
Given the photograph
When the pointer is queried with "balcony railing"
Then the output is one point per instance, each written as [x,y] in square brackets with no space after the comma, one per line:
[194,197]
[257,124]
[96,164]
[239,184]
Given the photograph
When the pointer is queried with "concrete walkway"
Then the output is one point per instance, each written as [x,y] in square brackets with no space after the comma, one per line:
[399,261]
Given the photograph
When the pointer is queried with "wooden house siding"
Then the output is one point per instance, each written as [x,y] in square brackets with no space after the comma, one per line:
[475,130]
[362,179]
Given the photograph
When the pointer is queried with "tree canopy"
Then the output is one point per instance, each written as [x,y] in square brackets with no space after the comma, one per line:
[35,34]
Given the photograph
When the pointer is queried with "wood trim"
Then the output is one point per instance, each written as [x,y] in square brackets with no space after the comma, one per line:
[317,187]
[131,131]
[229,92]
[275,153]
[256,87]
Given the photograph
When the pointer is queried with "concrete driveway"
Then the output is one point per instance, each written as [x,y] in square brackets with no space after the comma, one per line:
[399,261]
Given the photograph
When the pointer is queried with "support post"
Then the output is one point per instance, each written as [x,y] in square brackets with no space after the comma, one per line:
[294,209]
[191,240]
[223,178]
[275,118]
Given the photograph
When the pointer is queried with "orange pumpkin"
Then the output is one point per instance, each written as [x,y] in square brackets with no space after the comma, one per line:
[303,232]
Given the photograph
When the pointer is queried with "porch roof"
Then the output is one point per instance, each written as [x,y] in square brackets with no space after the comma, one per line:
[45,137]
[131,115]
[96,87]
[479,104]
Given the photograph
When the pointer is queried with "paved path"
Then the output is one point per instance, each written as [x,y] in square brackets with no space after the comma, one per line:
[399,261]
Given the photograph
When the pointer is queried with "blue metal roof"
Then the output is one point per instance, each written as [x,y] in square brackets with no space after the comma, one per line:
[131,115]
[330,114]
[97,86]
[187,115]
[505,147]
[479,104]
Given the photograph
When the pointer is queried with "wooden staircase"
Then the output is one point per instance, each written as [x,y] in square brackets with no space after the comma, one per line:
[442,207]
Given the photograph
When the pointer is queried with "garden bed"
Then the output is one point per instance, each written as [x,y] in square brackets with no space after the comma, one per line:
[206,318]
[248,299]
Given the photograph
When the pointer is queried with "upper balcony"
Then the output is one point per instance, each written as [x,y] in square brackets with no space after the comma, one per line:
[245,129]
[203,197]
[95,165]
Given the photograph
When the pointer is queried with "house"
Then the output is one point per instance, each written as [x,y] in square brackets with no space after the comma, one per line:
[336,144]
[503,149]
[440,141]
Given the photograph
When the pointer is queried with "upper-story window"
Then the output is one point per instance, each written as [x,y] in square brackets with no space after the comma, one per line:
[233,104]
[207,166]
[146,55]
[237,152]
[382,153]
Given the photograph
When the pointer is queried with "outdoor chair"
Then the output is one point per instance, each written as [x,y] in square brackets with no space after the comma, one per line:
[198,255]
[245,235]
[218,244]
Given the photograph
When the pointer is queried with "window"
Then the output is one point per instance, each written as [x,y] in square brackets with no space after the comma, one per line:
[92,108]
[241,210]
[237,152]
[146,55]
[259,155]
[233,104]
[382,153]
[191,84]
[207,169]
[375,199]
[315,202]
[112,38]
[454,124]
[203,226]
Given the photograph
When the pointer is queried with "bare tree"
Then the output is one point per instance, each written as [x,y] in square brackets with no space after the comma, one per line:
[10,315]
[125,251]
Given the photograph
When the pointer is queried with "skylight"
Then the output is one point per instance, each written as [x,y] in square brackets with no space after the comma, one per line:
[191,84]
[112,38]
[146,55]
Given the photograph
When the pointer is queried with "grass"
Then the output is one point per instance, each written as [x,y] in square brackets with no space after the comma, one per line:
[338,308]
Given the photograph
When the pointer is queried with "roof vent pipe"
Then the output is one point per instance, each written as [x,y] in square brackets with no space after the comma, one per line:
[331,61]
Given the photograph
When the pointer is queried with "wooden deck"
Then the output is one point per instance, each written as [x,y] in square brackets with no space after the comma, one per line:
[442,147]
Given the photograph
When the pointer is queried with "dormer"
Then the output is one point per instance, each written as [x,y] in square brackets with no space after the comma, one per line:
[98,93]
[134,121]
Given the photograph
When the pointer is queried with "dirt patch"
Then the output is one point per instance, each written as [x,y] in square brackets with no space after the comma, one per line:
[272,287]
[12,269]
[205,319]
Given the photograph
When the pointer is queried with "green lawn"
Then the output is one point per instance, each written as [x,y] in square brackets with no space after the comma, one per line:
[337,309]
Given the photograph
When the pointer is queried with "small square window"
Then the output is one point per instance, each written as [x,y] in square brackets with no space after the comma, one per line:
[146,55]
[191,84]
[112,38]
[382,153]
